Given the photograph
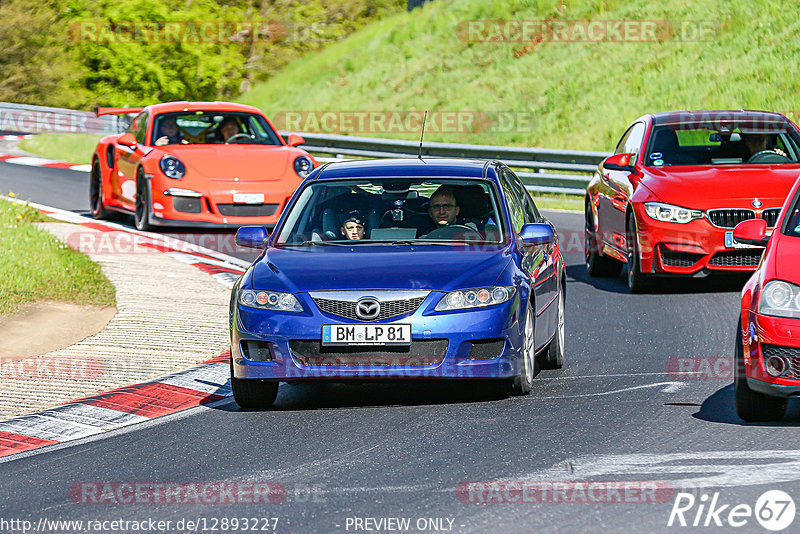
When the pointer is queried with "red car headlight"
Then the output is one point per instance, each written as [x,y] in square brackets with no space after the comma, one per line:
[780,299]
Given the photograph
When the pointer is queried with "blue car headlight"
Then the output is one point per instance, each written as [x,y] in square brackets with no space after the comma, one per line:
[303,166]
[172,167]
[269,300]
[475,298]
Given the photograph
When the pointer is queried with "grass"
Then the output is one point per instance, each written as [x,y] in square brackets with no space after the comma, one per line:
[72,148]
[37,266]
[558,202]
[582,95]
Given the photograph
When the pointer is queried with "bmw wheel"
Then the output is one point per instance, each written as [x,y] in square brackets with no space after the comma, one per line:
[554,357]
[751,405]
[524,382]
[596,265]
[638,281]
[142,215]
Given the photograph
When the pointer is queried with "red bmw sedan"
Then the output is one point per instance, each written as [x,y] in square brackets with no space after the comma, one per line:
[667,201]
[768,334]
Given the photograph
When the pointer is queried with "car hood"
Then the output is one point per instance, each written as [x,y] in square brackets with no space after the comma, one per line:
[240,163]
[706,188]
[427,267]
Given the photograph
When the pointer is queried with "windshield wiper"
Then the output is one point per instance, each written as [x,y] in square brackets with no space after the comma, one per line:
[316,244]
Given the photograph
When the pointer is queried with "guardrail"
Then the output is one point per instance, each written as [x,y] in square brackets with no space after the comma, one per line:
[537,167]
[542,170]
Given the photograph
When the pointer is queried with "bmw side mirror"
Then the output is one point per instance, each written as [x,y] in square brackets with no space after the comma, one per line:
[537,234]
[252,236]
[752,232]
[619,162]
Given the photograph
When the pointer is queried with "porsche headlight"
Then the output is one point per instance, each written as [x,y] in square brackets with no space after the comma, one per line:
[172,167]
[303,166]
[780,299]
[269,300]
[669,213]
[475,298]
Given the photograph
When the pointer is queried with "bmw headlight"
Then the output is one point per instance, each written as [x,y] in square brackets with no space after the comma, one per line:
[269,300]
[475,298]
[780,299]
[303,166]
[669,213]
[172,167]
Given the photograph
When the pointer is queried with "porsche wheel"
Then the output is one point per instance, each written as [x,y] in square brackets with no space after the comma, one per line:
[524,382]
[750,405]
[98,209]
[142,215]
[638,282]
[597,265]
[554,357]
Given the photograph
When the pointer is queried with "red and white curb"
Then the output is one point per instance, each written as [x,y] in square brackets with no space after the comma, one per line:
[15,137]
[173,393]
[31,161]
[198,385]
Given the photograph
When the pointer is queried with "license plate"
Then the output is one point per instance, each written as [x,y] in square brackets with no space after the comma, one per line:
[248,198]
[730,242]
[366,334]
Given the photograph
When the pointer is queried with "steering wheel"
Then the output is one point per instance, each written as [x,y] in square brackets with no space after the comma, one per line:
[453,230]
[237,136]
[767,156]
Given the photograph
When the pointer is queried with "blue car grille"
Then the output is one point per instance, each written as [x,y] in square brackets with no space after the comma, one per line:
[420,352]
[389,308]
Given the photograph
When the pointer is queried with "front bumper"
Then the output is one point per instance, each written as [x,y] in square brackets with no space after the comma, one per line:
[766,336]
[688,249]
[284,330]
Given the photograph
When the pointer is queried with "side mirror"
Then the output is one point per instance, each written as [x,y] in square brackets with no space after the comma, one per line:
[619,162]
[127,139]
[295,140]
[251,236]
[537,234]
[752,232]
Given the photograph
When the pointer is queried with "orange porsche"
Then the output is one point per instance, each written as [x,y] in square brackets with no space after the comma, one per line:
[200,164]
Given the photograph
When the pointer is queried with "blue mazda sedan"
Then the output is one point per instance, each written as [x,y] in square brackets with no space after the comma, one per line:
[399,269]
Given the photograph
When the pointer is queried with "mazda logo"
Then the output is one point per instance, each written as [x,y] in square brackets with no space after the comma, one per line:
[368,308]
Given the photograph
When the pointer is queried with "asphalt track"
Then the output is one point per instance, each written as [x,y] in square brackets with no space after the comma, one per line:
[617,412]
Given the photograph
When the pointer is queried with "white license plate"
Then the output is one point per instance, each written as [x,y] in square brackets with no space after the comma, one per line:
[248,198]
[730,242]
[366,334]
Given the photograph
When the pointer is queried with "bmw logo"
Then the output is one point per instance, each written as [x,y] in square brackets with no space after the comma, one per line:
[757,203]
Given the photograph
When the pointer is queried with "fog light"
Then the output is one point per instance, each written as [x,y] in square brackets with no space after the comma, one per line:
[258,351]
[775,365]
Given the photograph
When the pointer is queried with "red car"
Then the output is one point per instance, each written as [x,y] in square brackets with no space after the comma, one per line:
[768,334]
[202,164]
[667,201]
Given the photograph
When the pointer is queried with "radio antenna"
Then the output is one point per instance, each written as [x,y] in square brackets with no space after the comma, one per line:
[422,135]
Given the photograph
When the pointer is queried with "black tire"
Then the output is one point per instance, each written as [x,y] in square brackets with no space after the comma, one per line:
[142,216]
[523,383]
[553,358]
[96,206]
[638,282]
[253,394]
[597,265]
[752,406]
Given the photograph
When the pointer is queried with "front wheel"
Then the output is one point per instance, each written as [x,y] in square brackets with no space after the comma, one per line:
[752,406]
[142,216]
[98,209]
[638,282]
[554,357]
[596,265]
[253,394]
[523,383]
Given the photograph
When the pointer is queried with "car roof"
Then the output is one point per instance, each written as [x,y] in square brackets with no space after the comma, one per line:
[168,107]
[406,167]
[717,116]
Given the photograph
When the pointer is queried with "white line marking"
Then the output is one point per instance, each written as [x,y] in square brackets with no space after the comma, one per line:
[539,379]
[670,387]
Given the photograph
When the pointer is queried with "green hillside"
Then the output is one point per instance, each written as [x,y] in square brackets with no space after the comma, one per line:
[580,94]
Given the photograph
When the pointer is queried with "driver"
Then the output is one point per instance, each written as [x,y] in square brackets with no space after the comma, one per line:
[228,128]
[756,143]
[443,211]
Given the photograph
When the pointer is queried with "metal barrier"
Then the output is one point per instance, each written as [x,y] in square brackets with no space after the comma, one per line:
[25,119]
[534,166]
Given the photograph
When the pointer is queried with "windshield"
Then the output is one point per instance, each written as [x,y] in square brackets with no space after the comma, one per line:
[213,127]
[388,210]
[792,225]
[680,144]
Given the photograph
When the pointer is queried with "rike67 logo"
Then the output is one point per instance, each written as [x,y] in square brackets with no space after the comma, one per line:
[774,510]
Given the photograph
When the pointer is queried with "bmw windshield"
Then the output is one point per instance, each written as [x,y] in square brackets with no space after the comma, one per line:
[392,210]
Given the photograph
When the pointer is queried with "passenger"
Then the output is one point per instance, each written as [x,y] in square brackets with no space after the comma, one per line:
[170,133]
[353,226]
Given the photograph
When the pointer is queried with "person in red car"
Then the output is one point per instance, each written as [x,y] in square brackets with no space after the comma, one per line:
[757,143]
[170,134]
[228,128]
